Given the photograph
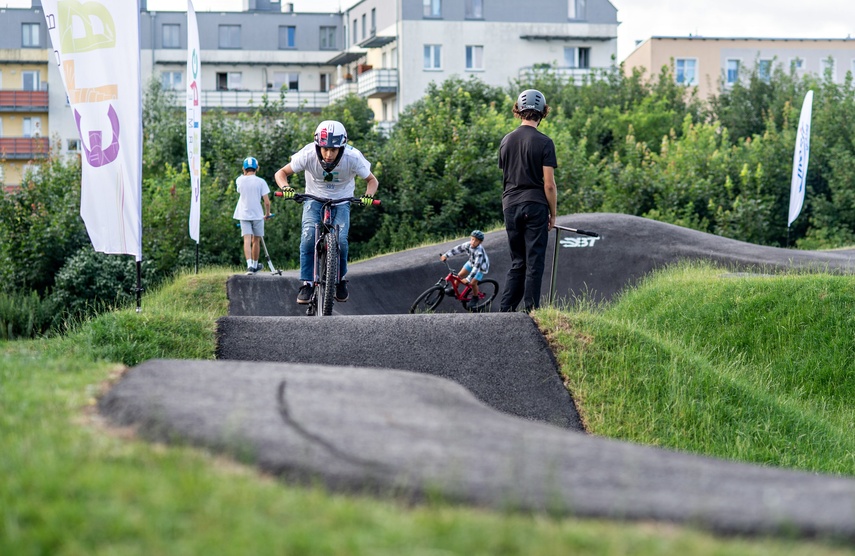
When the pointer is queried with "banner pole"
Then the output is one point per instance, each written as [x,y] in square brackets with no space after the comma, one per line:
[139,286]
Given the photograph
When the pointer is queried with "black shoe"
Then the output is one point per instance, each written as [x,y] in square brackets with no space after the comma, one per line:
[473,304]
[341,291]
[250,270]
[305,294]
[259,268]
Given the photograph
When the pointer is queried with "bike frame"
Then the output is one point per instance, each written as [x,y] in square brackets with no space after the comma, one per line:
[454,280]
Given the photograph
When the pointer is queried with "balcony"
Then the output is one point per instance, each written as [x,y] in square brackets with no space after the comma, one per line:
[378,83]
[342,90]
[575,76]
[23,101]
[24,148]
[247,101]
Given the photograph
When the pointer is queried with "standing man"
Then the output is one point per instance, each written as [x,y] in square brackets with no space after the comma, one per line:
[527,159]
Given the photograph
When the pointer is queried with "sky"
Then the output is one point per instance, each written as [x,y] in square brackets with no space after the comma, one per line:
[639,20]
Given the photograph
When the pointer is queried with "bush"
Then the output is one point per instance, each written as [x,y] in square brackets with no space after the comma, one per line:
[25,315]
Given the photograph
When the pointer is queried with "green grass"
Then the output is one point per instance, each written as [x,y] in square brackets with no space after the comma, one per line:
[69,485]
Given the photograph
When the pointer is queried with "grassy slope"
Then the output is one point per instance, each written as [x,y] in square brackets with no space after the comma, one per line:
[70,487]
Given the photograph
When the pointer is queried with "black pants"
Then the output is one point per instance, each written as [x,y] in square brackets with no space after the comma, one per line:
[527,225]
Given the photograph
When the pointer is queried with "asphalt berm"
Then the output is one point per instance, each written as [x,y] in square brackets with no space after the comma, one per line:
[465,406]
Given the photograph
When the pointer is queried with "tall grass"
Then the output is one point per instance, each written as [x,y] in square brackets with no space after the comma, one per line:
[751,368]
[70,486]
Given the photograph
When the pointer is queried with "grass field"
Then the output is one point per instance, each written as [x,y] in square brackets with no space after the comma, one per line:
[746,368]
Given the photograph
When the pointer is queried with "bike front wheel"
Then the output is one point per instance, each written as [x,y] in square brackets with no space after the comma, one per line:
[488,290]
[428,300]
[330,274]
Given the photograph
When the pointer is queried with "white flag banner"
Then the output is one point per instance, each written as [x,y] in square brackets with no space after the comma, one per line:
[96,45]
[194,120]
[800,160]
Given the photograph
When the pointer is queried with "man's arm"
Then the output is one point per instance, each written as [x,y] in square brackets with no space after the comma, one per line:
[551,193]
[371,185]
[282,176]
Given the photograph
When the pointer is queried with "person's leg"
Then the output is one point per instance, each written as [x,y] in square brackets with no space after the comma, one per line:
[536,239]
[256,248]
[341,218]
[247,248]
[311,217]
[515,280]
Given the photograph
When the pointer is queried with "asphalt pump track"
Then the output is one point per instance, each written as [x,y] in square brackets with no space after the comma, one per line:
[466,407]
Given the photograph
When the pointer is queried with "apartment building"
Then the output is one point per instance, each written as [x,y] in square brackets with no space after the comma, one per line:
[396,48]
[710,63]
[24,117]
[387,51]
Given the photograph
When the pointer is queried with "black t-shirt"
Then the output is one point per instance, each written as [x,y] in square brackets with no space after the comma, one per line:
[522,155]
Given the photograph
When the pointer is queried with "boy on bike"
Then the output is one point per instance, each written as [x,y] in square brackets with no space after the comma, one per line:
[478,264]
[330,166]
[253,191]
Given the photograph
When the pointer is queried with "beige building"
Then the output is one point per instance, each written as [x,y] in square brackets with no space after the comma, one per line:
[710,63]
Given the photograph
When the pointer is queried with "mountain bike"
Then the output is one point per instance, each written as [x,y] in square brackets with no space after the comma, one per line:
[452,286]
[326,271]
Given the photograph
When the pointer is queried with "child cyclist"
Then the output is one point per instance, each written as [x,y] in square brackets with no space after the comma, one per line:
[478,264]
[330,166]
[253,192]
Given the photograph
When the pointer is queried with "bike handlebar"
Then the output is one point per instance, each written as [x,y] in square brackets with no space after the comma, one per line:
[578,231]
[300,197]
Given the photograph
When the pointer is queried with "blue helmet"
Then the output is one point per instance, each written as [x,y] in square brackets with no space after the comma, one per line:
[477,234]
[250,163]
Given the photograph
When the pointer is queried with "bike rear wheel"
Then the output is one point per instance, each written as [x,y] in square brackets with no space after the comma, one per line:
[428,300]
[488,289]
[330,274]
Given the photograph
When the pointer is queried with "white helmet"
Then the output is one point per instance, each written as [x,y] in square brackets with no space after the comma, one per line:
[330,134]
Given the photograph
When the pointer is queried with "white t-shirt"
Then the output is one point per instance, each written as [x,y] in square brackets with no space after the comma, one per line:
[251,189]
[343,184]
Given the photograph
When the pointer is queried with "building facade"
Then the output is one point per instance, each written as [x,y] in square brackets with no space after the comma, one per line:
[710,63]
[387,51]
[24,102]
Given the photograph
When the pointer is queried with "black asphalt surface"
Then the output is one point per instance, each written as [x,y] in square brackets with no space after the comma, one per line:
[466,406]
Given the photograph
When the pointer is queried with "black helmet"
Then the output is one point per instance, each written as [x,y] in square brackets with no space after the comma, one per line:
[531,99]
[330,134]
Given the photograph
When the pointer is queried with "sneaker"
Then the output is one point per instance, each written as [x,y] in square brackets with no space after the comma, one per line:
[250,270]
[259,268]
[341,291]
[305,294]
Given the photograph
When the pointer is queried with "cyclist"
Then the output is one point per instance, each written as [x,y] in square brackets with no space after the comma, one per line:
[253,191]
[478,264]
[330,166]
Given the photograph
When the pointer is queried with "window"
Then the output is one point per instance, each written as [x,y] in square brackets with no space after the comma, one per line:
[829,67]
[286,80]
[474,9]
[229,81]
[577,9]
[327,38]
[433,56]
[287,36]
[170,80]
[577,57]
[732,72]
[326,80]
[229,36]
[32,127]
[393,58]
[764,70]
[687,71]
[474,57]
[31,80]
[364,25]
[74,145]
[433,8]
[373,21]
[171,35]
[353,32]
[796,64]
[30,35]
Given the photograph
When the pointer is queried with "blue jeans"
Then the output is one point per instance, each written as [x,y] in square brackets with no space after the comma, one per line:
[527,225]
[312,217]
